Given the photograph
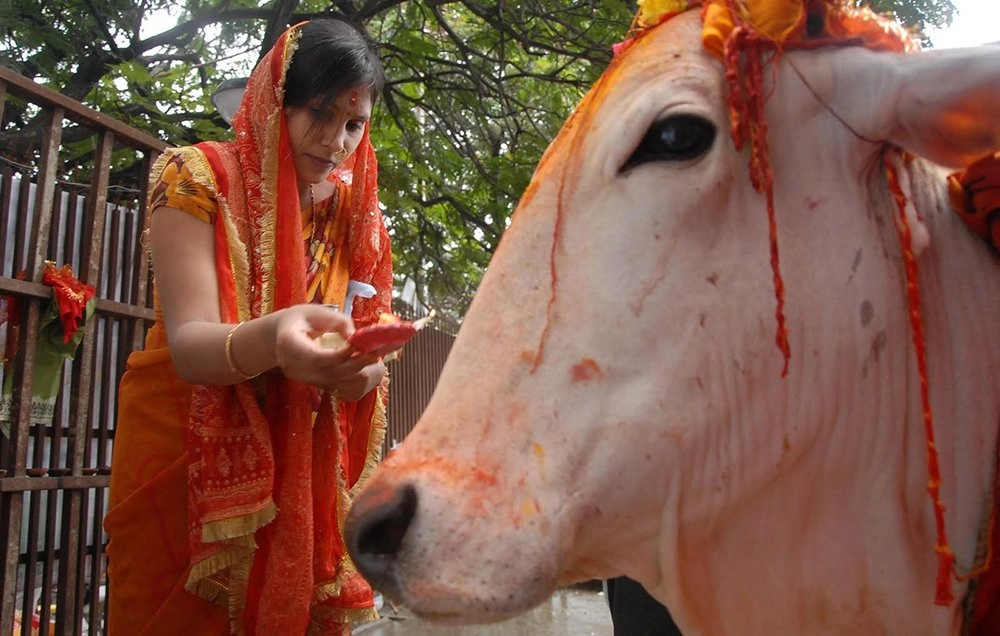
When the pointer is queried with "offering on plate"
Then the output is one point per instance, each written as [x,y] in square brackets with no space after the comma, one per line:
[385,337]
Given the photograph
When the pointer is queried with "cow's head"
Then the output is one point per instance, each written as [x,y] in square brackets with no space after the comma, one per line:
[614,402]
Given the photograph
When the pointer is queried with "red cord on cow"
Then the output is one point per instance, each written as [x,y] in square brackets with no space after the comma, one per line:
[743,58]
[946,558]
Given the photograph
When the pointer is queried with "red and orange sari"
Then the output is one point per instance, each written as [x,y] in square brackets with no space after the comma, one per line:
[227,502]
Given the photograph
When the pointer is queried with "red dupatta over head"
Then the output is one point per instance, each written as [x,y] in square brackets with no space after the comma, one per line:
[269,480]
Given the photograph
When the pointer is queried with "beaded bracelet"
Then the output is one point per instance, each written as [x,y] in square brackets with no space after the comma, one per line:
[229,355]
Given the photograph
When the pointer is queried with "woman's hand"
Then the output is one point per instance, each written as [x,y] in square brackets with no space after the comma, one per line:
[357,386]
[350,373]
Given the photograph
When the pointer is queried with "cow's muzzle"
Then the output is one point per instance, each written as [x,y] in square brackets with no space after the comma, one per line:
[375,529]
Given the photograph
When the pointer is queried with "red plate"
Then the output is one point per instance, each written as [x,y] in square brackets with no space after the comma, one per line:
[381,339]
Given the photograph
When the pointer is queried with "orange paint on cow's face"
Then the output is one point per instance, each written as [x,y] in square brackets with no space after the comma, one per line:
[530,508]
[540,454]
[539,451]
[568,181]
[586,369]
[450,470]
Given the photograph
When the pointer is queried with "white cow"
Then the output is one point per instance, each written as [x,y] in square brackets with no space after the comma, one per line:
[614,403]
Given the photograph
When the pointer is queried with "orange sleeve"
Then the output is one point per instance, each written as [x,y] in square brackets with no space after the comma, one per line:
[176,188]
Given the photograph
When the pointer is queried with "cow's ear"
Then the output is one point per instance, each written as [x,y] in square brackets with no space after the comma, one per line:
[943,105]
[949,105]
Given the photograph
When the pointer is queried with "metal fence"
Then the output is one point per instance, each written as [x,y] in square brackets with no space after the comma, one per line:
[414,374]
[54,470]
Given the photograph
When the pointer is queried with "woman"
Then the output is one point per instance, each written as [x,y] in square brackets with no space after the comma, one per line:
[240,438]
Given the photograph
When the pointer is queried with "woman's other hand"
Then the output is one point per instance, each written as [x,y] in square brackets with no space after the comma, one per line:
[356,386]
[350,373]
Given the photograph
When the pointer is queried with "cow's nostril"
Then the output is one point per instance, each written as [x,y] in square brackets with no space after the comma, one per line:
[375,528]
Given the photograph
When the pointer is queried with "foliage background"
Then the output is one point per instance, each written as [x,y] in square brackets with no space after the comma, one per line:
[476,90]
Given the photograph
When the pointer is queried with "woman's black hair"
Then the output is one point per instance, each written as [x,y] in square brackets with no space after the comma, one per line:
[333,55]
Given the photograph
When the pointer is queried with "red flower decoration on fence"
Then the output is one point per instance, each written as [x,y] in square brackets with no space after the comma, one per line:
[70,295]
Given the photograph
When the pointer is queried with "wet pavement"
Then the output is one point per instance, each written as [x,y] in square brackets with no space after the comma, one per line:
[573,611]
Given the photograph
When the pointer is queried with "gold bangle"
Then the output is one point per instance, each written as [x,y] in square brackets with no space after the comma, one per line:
[229,355]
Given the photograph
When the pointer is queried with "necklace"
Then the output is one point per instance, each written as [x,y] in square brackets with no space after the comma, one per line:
[315,221]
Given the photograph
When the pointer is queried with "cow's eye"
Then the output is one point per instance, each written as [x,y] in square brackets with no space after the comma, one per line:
[674,138]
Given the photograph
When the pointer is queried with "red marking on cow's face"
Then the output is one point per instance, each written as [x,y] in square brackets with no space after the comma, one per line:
[483,477]
[812,203]
[380,495]
[586,369]
[451,471]
[568,181]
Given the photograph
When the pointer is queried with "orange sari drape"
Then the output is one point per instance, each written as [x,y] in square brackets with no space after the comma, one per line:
[227,503]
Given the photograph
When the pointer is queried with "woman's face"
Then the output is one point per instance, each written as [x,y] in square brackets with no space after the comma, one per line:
[323,138]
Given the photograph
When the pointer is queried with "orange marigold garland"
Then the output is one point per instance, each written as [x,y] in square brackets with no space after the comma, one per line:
[652,12]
